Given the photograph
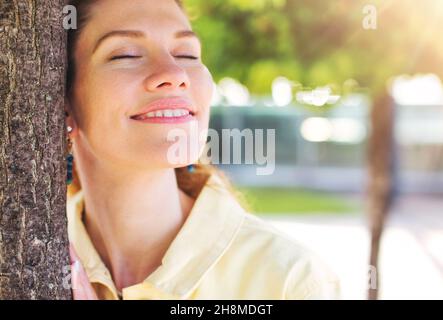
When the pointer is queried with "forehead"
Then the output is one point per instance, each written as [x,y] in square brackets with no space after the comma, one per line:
[155,18]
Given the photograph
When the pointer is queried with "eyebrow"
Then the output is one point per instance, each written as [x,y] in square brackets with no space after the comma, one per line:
[141,34]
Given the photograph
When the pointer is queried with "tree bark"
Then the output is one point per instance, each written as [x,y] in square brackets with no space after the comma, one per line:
[381,187]
[34,258]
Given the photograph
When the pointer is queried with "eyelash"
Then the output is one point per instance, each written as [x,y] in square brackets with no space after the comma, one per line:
[134,57]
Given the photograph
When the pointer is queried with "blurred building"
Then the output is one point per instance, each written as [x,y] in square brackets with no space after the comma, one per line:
[327,150]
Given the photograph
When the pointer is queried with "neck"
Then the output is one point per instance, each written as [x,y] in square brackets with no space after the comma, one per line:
[132,219]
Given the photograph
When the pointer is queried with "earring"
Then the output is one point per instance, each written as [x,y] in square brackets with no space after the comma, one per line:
[69,159]
[191,168]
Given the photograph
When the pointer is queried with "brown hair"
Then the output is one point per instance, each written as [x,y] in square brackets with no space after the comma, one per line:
[190,182]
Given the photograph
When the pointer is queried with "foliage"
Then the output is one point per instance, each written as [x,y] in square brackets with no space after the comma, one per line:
[318,42]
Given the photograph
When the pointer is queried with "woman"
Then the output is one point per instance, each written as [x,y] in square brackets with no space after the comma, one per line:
[142,226]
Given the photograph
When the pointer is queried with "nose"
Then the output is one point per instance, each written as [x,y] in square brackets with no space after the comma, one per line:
[167,76]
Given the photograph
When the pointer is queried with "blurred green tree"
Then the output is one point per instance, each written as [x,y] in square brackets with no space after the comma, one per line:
[317,42]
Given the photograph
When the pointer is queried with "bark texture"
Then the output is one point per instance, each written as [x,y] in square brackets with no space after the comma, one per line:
[34,259]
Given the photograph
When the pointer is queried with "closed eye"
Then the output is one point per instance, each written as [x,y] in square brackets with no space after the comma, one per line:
[134,57]
[125,57]
[187,57]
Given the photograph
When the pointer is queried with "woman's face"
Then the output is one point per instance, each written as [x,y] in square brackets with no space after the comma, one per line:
[121,74]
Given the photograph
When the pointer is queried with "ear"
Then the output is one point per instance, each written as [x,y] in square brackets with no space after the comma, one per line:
[70,119]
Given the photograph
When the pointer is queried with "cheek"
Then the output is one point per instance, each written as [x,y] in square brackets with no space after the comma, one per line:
[202,88]
[99,111]
[109,95]
[116,90]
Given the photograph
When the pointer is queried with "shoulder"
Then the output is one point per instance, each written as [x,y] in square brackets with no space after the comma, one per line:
[268,264]
[305,274]
[262,262]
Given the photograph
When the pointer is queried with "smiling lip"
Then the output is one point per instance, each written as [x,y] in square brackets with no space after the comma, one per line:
[164,104]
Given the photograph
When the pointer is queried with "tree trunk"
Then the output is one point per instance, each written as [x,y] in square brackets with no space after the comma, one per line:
[34,259]
[380,189]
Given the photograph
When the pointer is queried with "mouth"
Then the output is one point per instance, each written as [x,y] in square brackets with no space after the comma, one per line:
[164,113]
[175,107]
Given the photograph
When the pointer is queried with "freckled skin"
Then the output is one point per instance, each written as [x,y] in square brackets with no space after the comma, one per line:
[107,92]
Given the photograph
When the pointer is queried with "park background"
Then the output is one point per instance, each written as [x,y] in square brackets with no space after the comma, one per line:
[353,89]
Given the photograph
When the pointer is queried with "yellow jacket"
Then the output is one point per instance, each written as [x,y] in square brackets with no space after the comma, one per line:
[221,252]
